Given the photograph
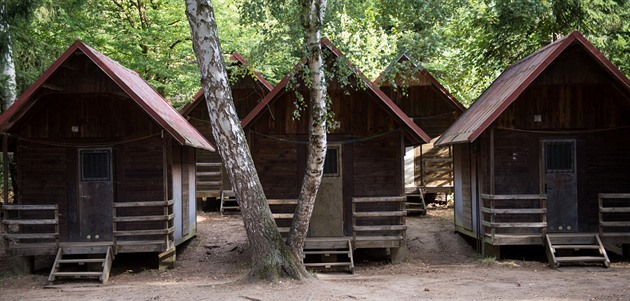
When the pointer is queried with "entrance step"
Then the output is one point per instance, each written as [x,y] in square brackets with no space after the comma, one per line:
[228,202]
[90,262]
[328,254]
[575,248]
[414,203]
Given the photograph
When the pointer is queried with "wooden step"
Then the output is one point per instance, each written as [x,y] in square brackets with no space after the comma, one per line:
[211,164]
[208,173]
[328,264]
[325,252]
[576,247]
[77,274]
[82,260]
[320,248]
[576,242]
[102,275]
[580,259]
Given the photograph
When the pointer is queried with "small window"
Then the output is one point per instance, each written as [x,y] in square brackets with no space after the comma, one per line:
[331,163]
[95,165]
[559,157]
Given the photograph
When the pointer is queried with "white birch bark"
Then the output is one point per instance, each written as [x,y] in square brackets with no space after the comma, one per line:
[271,257]
[7,68]
[312,18]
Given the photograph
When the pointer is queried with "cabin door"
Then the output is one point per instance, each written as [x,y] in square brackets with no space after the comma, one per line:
[560,184]
[327,219]
[96,194]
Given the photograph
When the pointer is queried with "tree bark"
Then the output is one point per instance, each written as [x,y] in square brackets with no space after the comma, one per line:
[271,257]
[312,19]
[7,66]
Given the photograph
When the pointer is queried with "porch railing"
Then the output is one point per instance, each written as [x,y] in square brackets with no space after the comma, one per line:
[31,224]
[152,228]
[614,215]
[378,222]
[514,218]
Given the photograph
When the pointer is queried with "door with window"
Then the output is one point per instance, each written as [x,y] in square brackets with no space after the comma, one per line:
[560,184]
[96,194]
[327,218]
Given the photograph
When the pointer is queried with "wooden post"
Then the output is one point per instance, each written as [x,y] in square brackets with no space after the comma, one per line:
[492,160]
[600,203]
[165,188]
[5,168]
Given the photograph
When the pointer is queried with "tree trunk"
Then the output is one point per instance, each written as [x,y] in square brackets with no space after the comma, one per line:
[312,19]
[7,68]
[271,257]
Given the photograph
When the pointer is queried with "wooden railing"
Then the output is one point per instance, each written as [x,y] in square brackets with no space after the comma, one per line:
[378,222]
[614,215]
[282,210]
[514,219]
[29,224]
[142,233]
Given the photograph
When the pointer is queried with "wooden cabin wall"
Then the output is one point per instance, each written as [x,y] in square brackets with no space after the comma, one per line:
[183,191]
[606,171]
[575,99]
[516,160]
[277,163]
[373,169]
[370,167]
[140,178]
[429,108]
[98,118]
[42,172]
[574,93]
[463,188]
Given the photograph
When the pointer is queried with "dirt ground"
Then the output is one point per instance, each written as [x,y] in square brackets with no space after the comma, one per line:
[440,265]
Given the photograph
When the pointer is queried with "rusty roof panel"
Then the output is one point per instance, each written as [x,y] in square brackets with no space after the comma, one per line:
[130,82]
[198,98]
[511,83]
[416,133]
[423,72]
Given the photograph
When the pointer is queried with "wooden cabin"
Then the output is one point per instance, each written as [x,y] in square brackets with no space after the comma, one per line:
[248,88]
[104,166]
[428,169]
[542,156]
[361,200]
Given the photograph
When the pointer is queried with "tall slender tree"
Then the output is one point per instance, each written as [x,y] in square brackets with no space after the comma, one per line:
[11,11]
[312,15]
[271,257]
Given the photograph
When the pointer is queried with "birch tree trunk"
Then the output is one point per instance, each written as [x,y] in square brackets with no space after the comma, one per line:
[312,19]
[7,65]
[271,257]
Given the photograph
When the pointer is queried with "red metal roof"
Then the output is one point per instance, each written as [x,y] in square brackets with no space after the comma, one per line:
[512,82]
[417,134]
[130,82]
[405,57]
[198,98]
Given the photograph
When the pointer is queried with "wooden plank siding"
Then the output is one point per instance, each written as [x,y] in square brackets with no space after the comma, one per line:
[426,105]
[463,191]
[372,149]
[43,188]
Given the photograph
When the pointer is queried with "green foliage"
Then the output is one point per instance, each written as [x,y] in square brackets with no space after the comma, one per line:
[465,44]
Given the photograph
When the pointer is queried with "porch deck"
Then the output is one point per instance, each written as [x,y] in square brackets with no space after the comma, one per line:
[377,222]
[522,219]
[34,230]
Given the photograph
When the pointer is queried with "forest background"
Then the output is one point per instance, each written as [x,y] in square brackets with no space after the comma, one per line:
[465,44]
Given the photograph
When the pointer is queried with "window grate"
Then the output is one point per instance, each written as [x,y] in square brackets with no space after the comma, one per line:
[559,157]
[95,165]
[331,163]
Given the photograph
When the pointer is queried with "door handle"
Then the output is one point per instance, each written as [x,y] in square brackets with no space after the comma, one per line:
[547,189]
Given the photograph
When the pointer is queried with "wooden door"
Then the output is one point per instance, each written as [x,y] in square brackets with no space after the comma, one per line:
[96,194]
[560,184]
[327,218]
